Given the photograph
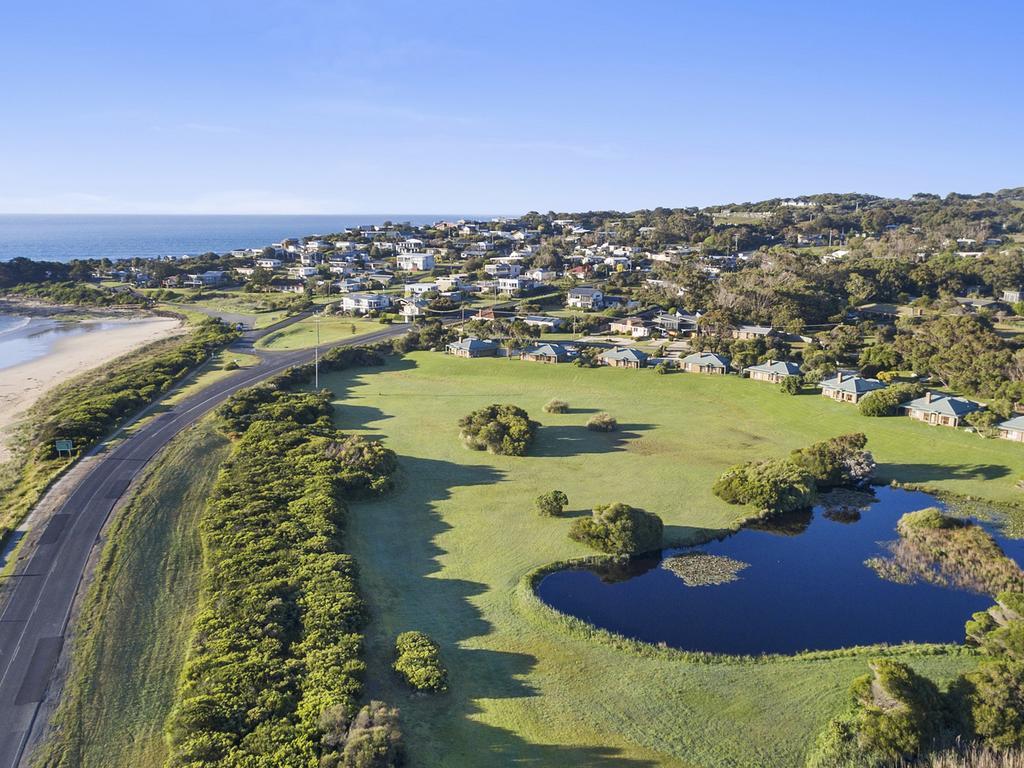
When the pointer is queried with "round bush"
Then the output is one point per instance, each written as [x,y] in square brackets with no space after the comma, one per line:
[501,429]
[619,529]
[555,405]
[602,422]
[551,504]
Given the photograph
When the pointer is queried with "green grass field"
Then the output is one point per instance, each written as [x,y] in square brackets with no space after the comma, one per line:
[302,334]
[132,635]
[445,553]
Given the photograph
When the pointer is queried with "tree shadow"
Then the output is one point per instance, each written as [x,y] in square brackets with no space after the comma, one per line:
[692,536]
[574,439]
[395,541]
[923,473]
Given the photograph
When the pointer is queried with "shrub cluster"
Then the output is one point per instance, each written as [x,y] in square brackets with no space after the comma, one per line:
[502,429]
[418,661]
[773,486]
[551,504]
[602,422]
[556,406]
[837,462]
[369,740]
[273,668]
[619,529]
[78,294]
[894,715]
[884,402]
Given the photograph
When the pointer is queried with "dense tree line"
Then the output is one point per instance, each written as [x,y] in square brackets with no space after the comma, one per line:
[273,670]
[77,294]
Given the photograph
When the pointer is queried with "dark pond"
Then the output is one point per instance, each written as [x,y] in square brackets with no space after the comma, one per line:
[806,587]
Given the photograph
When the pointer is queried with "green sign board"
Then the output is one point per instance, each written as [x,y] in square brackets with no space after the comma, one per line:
[63,445]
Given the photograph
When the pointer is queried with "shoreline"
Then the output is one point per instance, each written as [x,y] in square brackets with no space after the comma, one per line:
[23,384]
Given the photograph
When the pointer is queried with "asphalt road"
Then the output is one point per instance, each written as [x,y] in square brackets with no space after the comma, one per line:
[34,622]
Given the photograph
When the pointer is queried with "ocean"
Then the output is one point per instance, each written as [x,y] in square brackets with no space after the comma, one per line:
[45,237]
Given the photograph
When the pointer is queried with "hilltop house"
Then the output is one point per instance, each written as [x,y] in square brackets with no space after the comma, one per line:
[748,332]
[361,303]
[472,347]
[206,279]
[705,362]
[585,297]
[1012,429]
[939,409]
[623,357]
[849,388]
[545,353]
[772,371]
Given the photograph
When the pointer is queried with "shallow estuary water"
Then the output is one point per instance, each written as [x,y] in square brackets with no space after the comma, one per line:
[805,587]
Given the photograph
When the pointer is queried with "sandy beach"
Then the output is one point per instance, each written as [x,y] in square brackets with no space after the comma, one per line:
[103,339]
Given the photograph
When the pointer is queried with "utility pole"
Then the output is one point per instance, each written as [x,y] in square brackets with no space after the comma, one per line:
[316,354]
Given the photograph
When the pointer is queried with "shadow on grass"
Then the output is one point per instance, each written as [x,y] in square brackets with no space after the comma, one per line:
[402,578]
[924,473]
[574,440]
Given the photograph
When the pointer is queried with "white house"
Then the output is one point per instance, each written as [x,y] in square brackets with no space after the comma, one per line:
[416,261]
[585,297]
[514,285]
[268,263]
[418,289]
[361,303]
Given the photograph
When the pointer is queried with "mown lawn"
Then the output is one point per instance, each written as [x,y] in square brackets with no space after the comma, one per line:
[130,642]
[445,552]
[302,334]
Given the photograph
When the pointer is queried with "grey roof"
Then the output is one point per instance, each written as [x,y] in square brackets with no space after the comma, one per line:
[760,330]
[583,290]
[1017,422]
[625,353]
[857,385]
[547,350]
[709,359]
[945,405]
[472,344]
[780,367]
[541,319]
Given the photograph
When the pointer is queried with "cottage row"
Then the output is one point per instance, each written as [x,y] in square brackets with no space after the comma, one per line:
[934,408]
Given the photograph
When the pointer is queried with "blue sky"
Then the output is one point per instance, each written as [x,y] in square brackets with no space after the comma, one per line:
[309,106]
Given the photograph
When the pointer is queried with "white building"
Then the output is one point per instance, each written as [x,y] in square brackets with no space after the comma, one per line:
[416,261]
[361,303]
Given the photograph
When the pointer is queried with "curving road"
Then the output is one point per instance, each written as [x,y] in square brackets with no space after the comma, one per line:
[34,622]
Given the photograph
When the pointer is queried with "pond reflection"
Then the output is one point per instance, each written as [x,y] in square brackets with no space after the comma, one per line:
[805,587]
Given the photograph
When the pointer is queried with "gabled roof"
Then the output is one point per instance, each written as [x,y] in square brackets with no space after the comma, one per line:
[584,290]
[760,330]
[709,359]
[473,344]
[945,405]
[1017,422]
[625,353]
[857,385]
[547,350]
[780,367]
